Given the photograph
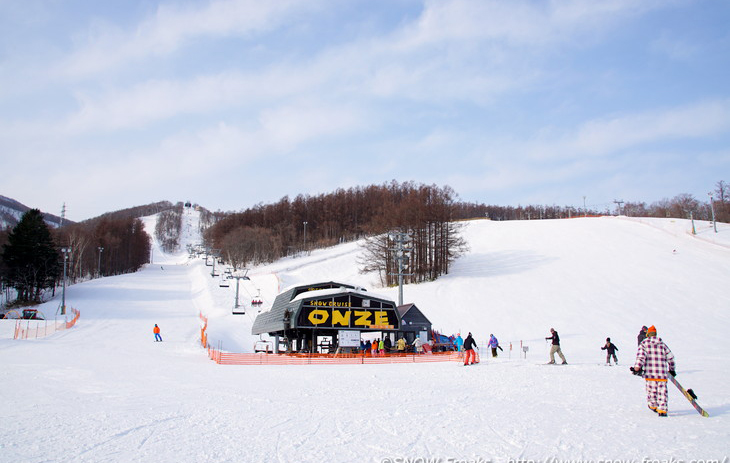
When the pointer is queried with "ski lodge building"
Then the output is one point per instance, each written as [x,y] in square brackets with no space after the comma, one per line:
[329,314]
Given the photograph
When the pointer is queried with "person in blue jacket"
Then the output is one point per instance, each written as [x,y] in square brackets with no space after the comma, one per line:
[459,344]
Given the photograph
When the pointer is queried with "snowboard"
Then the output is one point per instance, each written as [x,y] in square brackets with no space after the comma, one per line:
[690,395]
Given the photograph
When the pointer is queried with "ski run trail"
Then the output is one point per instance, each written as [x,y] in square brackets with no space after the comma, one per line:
[104,391]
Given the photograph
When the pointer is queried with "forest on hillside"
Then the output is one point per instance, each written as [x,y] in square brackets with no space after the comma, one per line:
[427,214]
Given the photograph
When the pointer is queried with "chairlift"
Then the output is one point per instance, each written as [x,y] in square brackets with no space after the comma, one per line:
[241,310]
[224,283]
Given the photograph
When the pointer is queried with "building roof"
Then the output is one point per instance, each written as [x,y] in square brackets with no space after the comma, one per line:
[291,300]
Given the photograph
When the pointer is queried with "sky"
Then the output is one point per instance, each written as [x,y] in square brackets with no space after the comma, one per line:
[114,104]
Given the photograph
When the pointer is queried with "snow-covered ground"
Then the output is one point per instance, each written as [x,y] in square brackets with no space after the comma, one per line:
[104,391]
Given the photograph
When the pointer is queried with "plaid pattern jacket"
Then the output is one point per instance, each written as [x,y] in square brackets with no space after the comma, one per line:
[655,358]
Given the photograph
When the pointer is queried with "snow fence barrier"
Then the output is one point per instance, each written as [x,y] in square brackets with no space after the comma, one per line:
[45,329]
[230,358]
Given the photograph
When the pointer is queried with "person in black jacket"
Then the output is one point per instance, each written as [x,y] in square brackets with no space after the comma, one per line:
[610,349]
[642,335]
[469,345]
[555,349]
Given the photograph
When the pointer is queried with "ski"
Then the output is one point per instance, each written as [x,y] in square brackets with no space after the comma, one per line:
[690,395]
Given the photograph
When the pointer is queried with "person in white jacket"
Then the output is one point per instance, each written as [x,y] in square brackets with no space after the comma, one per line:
[419,345]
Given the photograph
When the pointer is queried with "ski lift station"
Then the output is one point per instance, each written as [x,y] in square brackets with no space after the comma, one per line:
[338,312]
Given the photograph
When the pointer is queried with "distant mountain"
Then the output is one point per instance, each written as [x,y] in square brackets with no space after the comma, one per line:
[11,211]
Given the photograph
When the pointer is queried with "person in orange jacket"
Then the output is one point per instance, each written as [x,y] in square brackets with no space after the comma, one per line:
[156,330]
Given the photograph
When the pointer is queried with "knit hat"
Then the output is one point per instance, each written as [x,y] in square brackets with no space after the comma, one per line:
[651,331]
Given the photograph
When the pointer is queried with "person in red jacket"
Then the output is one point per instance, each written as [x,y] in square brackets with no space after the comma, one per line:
[156,330]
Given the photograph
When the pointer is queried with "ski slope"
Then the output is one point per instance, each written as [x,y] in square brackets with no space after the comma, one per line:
[104,391]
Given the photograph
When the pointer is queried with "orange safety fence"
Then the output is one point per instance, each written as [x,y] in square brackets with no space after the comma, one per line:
[230,358]
[44,329]
[203,328]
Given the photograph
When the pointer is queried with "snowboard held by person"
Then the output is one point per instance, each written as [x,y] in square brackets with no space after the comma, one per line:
[654,361]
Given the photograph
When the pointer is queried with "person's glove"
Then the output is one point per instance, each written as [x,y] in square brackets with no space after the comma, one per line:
[636,371]
[672,372]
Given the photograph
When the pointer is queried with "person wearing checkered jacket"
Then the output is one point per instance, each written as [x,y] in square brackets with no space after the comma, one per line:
[654,361]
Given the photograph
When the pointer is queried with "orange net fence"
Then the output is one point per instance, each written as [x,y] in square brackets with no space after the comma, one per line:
[230,358]
[42,328]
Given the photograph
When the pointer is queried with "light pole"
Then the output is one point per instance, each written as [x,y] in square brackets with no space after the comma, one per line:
[98,271]
[305,236]
[65,252]
[712,207]
[585,211]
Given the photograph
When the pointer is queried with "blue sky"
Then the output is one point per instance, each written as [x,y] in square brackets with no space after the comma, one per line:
[107,105]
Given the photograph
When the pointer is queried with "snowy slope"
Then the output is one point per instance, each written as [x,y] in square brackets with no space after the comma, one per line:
[104,391]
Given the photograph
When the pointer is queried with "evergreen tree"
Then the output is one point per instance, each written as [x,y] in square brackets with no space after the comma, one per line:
[30,257]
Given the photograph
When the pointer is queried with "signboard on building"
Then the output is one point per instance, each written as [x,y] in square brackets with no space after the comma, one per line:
[348,338]
[348,311]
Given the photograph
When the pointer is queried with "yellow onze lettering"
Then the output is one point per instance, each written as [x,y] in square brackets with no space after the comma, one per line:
[318,316]
[341,318]
[381,317]
[363,318]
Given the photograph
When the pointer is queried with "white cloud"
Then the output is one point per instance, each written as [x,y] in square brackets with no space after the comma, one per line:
[172,26]
[610,135]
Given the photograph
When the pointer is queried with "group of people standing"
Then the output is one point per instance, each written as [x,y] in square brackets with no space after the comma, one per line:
[376,347]
[466,347]
[383,346]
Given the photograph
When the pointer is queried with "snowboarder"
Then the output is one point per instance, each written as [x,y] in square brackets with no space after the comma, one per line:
[494,344]
[610,349]
[555,347]
[641,336]
[654,361]
[469,346]
[459,345]
[156,330]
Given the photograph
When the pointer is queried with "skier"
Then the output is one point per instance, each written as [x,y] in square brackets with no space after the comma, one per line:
[401,345]
[642,335]
[610,349]
[555,347]
[469,346]
[156,330]
[654,361]
[494,344]
[459,344]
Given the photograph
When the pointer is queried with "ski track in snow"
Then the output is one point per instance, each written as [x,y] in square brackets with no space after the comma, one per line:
[104,391]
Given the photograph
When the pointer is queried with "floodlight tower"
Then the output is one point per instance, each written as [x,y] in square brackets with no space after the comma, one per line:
[305,236]
[65,251]
[401,251]
[712,207]
[98,271]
